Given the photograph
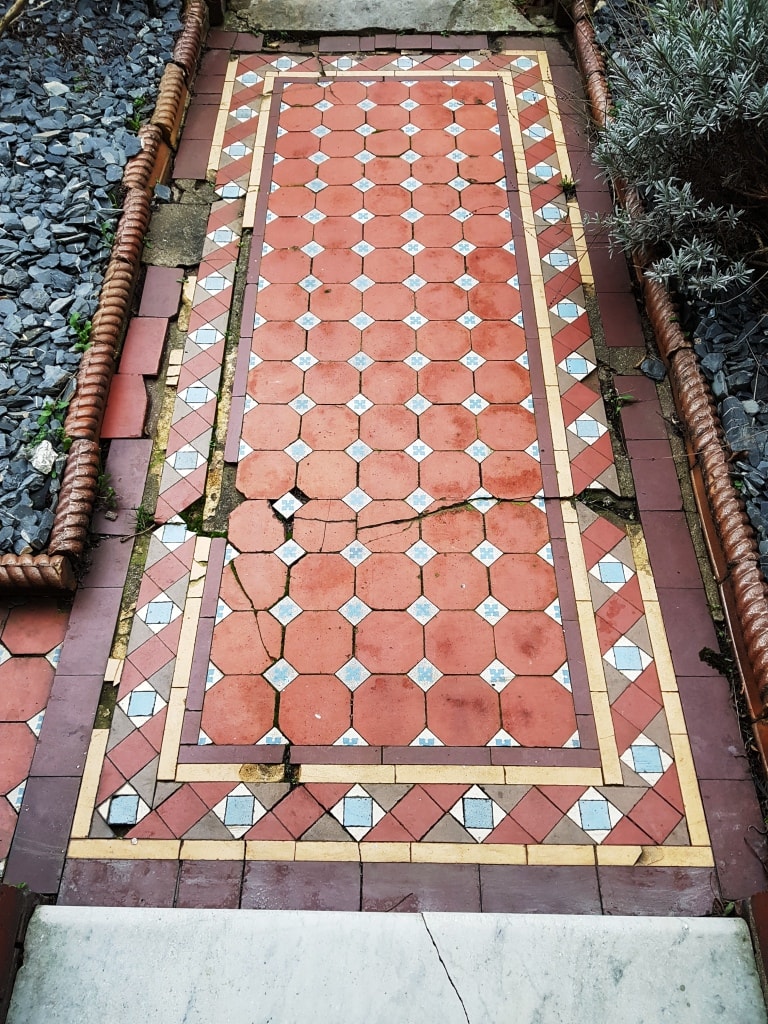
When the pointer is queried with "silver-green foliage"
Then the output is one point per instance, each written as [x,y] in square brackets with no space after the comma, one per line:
[690,131]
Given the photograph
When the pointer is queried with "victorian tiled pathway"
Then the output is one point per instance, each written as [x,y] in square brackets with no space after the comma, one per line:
[419,657]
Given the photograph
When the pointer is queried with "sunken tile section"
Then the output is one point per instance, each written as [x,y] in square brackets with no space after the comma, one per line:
[402,408]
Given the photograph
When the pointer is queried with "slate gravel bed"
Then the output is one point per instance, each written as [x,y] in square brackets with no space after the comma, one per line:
[76,79]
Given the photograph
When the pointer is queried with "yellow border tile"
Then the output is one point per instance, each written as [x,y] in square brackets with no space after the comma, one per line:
[212,849]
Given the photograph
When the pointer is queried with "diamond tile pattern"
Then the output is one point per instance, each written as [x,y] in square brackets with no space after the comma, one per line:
[393,580]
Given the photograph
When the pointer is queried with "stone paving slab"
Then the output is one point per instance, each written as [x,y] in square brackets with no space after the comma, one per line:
[420,661]
[378,967]
[426,16]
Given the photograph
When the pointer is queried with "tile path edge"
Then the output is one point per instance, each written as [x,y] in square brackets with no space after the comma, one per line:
[729,535]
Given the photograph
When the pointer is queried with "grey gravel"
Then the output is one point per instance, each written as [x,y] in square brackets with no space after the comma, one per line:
[74,79]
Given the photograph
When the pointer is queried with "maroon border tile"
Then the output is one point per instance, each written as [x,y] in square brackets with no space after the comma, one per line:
[119,883]
[409,888]
[689,630]
[713,729]
[210,884]
[539,889]
[301,885]
[737,833]
[40,842]
[66,731]
[656,892]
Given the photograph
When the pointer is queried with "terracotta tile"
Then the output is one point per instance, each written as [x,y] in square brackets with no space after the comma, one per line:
[388,91]
[388,581]
[314,710]
[25,684]
[455,530]
[327,474]
[388,710]
[34,628]
[446,382]
[506,427]
[275,381]
[390,641]
[271,427]
[538,711]
[336,266]
[303,885]
[143,346]
[387,232]
[332,382]
[318,641]
[388,427]
[336,301]
[245,643]
[266,475]
[417,812]
[512,475]
[253,526]
[339,232]
[494,339]
[448,427]
[530,643]
[389,382]
[516,528]
[182,810]
[16,757]
[449,476]
[238,709]
[523,582]
[455,581]
[298,811]
[132,754]
[463,710]
[458,642]
[322,581]
[389,475]
[333,339]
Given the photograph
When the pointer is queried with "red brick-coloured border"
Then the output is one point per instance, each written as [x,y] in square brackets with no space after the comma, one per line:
[729,535]
[53,570]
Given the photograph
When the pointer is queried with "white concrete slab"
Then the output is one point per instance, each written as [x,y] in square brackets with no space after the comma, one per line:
[329,16]
[141,966]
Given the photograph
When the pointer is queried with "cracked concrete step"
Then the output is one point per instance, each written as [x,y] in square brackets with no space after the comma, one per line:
[142,966]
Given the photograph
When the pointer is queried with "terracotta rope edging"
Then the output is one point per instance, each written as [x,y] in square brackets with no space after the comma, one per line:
[745,592]
[53,569]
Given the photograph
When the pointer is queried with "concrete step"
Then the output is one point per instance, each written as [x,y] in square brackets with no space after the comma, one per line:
[142,966]
[434,16]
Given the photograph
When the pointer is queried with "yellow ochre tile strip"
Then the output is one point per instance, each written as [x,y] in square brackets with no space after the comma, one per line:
[566,170]
[223,116]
